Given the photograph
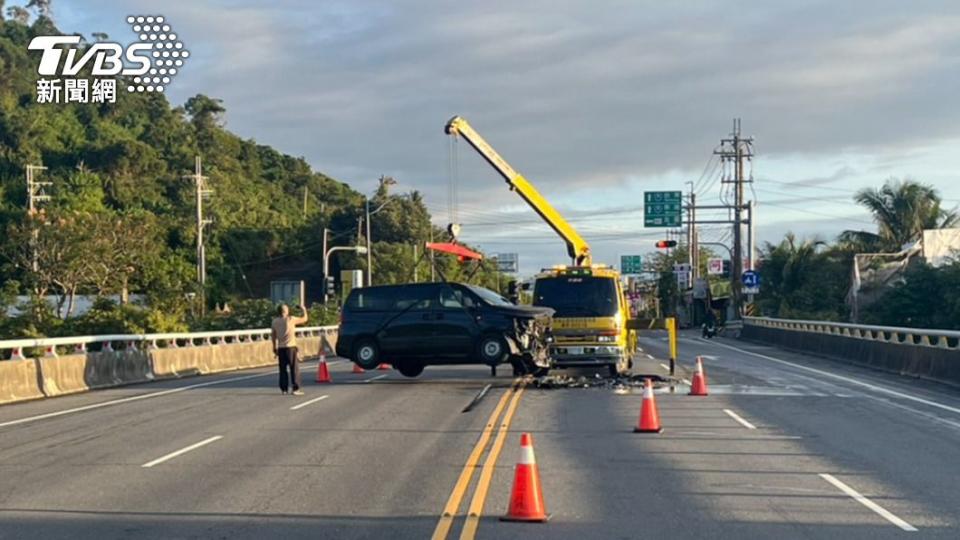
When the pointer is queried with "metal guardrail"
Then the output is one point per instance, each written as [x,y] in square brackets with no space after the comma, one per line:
[922,337]
[152,341]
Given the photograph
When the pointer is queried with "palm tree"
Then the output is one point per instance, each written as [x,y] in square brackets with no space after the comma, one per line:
[901,210]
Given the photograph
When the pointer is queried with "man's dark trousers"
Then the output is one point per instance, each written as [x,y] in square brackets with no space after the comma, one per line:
[287,357]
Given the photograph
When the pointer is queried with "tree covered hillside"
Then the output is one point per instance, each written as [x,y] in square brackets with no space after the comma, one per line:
[122,213]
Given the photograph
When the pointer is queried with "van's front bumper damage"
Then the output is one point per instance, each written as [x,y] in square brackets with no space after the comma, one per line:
[530,342]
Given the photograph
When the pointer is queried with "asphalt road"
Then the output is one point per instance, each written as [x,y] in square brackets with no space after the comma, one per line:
[786,446]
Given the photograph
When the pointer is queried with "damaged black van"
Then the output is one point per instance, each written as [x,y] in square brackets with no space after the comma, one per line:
[415,325]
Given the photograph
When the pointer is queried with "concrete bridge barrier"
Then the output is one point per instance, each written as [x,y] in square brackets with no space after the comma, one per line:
[923,353]
[138,359]
[19,380]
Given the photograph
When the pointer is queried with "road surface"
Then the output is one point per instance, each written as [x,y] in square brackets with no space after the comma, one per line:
[785,446]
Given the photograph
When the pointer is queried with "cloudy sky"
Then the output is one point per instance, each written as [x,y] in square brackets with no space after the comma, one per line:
[595,102]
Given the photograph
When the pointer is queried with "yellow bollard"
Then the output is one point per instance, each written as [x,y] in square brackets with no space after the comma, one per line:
[672,333]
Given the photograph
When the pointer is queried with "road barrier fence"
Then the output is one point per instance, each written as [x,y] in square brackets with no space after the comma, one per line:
[916,352]
[47,367]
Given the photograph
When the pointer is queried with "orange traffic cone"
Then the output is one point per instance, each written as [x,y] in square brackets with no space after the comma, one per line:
[649,416]
[357,369]
[323,374]
[699,385]
[383,367]
[526,499]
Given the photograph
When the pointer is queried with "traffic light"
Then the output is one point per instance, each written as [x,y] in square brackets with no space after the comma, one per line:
[726,268]
[329,286]
[663,244]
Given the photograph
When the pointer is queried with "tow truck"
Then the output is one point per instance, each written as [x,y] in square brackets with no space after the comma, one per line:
[591,312]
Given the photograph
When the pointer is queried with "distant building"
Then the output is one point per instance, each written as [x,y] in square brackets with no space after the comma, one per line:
[940,246]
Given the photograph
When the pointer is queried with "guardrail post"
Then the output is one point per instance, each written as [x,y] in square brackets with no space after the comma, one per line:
[80,348]
[107,347]
[132,346]
[51,351]
[17,354]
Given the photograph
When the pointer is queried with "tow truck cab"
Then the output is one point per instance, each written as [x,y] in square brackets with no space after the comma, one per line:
[590,316]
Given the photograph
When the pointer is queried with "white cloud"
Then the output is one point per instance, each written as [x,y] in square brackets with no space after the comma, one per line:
[594,102]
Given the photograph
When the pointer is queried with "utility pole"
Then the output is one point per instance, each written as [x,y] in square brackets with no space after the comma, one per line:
[385,183]
[433,266]
[415,261]
[369,248]
[692,234]
[304,202]
[200,192]
[751,235]
[735,150]
[35,196]
[326,232]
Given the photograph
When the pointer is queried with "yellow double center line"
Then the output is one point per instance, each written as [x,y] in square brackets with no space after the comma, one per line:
[486,475]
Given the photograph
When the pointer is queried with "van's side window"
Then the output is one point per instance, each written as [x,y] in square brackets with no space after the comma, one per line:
[413,298]
[451,298]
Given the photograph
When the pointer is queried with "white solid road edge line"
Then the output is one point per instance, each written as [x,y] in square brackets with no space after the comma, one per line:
[740,419]
[182,451]
[875,388]
[139,397]
[666,367]
[131,398]
[883,512]
[305,403]
[371,379]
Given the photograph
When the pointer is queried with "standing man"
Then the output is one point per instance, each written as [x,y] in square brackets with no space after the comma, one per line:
[283,334]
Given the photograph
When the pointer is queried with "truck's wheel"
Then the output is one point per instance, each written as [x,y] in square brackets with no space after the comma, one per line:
[492,349]
[366,353]
[620,368]
[410,368]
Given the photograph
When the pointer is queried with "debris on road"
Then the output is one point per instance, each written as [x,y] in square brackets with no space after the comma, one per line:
[620,385]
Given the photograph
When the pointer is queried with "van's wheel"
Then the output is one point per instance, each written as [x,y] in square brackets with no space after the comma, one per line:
[366,354]
[410,368]
[492,349]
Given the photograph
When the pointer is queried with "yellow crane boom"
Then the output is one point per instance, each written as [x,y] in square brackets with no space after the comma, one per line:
[577,247]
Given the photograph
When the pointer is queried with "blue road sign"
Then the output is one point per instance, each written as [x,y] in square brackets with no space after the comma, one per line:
[750,279]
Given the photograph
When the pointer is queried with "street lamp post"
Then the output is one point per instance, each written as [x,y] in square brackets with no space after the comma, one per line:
[326,261]
[385,181]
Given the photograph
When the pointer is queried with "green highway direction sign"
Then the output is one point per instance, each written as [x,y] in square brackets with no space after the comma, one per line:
[631,264]
[662,208]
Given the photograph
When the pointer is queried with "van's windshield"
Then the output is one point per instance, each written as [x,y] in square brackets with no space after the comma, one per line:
[577,296]
[489,296]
